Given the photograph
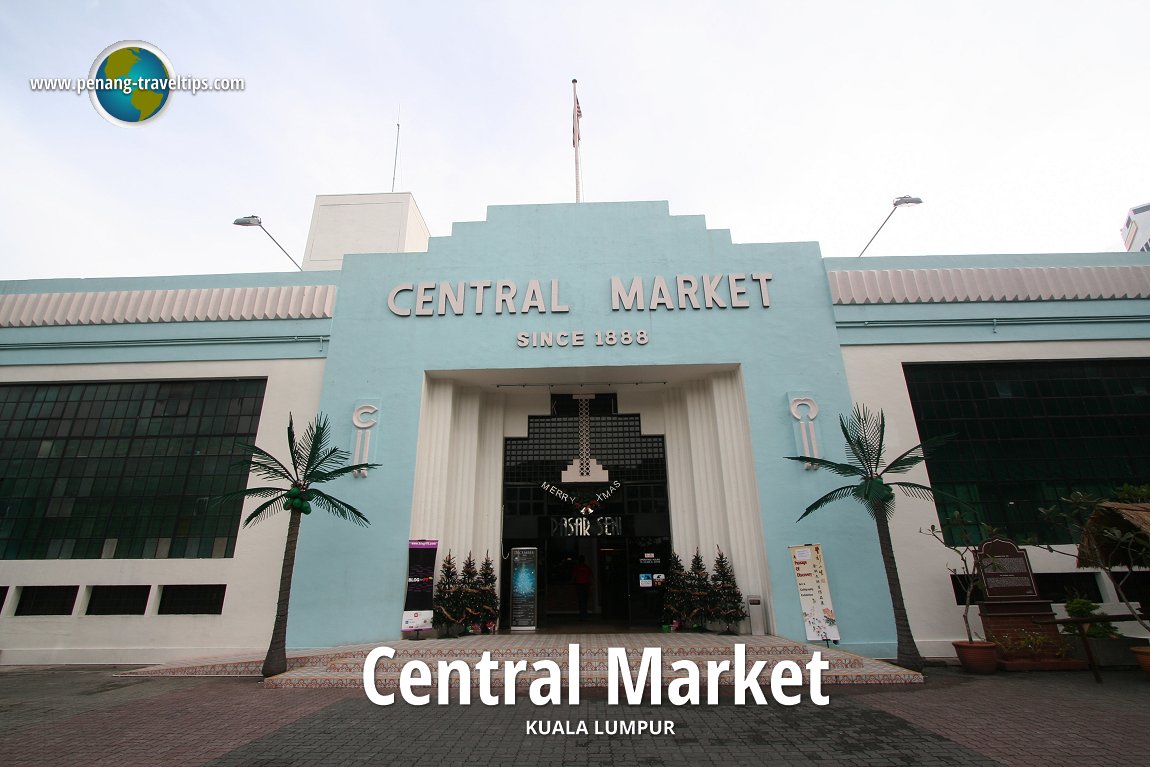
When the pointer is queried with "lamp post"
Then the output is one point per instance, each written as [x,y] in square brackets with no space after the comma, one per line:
[254,220]
[897,203]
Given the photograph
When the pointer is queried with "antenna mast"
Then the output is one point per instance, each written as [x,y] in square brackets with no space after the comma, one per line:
[395,162]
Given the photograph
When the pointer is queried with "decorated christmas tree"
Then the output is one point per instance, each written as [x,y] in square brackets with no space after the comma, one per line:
[490,596]
[726,599]
[697,604]
[674,593]
[470,597]
[445,602]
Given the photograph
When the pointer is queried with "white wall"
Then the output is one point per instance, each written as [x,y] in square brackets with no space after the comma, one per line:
[876,379]
[252,575]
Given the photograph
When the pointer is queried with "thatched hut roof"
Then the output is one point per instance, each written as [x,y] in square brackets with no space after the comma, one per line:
[1099,547]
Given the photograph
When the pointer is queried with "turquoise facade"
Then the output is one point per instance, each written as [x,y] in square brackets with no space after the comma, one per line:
[348,585]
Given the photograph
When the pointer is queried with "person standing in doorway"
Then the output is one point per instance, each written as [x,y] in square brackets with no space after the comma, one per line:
[582,575]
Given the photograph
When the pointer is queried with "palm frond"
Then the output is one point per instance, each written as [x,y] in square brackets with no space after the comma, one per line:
[264,464]
[293,446]
[247,492]
[864,433]
[916,455]
[339,508]
[315,442]
[834,495]
[265,510]
[916,490]
[880,441]
[869,432]
[842,469]
[327,476]
[333,458]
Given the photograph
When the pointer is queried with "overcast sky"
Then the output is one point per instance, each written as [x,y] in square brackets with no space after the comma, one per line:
[1022,124]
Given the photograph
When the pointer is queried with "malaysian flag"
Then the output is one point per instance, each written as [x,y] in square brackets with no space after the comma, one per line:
[575,121]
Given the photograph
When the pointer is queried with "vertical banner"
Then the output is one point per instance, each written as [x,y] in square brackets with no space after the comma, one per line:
[814,592]
[417,613]
[524,588]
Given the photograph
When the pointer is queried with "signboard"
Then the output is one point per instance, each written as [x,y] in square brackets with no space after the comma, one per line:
[1005,571]
[814,592]
[587,527]
[417,620]
[417,612]
[524,588]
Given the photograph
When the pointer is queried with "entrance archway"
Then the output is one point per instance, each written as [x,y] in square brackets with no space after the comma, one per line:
[614,532]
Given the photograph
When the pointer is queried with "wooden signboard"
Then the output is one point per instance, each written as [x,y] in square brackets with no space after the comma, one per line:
[1004,570]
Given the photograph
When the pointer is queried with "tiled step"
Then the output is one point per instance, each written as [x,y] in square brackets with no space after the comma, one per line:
[343,666]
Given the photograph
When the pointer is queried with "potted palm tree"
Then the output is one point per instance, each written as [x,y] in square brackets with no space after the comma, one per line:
[976,655]
[865,435]
[313,461]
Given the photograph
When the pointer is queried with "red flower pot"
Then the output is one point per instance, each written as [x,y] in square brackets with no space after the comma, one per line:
[1143,656]
[977,657]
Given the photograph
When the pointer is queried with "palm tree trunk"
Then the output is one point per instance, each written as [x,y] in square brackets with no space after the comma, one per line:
[908,655]
[276,660]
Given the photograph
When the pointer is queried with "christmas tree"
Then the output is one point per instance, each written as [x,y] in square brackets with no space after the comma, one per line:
[698,598]
[726,599]
[446,602]
[490,596]
[470,598]
[674,593]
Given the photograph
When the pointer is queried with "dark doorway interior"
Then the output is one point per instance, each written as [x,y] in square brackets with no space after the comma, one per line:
[619,529]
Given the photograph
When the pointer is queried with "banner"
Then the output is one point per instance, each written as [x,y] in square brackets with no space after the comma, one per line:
[417,612]
[524,588]
[814,592]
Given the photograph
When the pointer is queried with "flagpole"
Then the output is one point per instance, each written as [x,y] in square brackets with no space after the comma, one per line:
[575,115]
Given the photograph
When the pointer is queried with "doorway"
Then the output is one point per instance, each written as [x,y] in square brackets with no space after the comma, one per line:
[618,528]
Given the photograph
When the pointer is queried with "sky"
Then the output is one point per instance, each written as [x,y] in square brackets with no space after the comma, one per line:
[1022,125]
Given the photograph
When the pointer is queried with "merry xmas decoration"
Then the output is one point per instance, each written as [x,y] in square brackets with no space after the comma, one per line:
[586,502]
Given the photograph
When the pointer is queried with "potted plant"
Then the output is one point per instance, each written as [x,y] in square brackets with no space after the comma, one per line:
[1108,647]
[1030,651]
[976,655]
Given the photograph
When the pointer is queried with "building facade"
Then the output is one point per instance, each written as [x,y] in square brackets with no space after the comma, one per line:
[551,365]
[1136,230]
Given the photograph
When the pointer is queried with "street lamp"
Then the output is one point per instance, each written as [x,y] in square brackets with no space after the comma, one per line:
[254,220]
[897,203]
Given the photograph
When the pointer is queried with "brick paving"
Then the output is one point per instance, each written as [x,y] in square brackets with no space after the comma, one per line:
[85,715]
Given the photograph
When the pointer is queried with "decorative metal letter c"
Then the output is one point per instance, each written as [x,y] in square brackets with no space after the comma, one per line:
[363,426]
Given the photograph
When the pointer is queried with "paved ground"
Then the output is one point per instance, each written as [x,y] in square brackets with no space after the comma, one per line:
[71,715]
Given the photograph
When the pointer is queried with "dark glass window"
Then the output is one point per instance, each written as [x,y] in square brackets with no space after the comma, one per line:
[47,600]
[3,596]
[1061,587]
[1057,587]
[637,461]
[1029,433]
[192,600]
[123,469]
[1136,586]
[118,600]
